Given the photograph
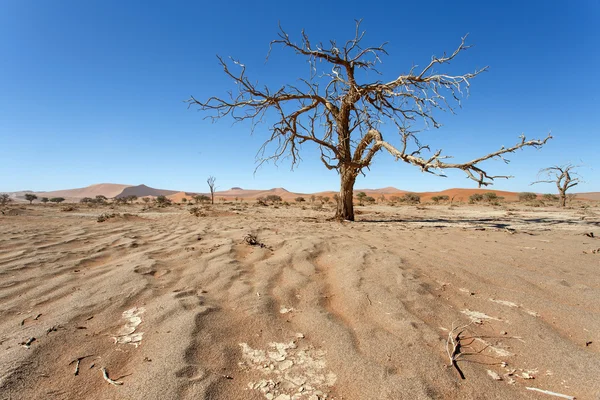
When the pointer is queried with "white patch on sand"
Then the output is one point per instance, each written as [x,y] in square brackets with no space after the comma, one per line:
[127,332]
[478,317]
[505,303]
[292,373]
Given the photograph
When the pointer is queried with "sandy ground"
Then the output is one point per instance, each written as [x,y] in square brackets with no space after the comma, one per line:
[179,307]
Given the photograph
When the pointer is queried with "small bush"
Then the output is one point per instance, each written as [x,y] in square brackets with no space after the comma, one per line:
[437,199]
[370,199]
[197,212]
[162,201]
[550,197]
[273,198]
[106,216]
[300,199]
[475,198]
[411,198]
[527,196]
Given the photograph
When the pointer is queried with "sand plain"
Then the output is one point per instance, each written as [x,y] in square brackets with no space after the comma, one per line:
[173,306]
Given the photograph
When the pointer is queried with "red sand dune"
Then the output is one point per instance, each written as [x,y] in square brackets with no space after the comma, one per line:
[105,189]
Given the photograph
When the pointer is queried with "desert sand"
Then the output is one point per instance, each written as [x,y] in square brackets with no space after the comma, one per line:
[172,306]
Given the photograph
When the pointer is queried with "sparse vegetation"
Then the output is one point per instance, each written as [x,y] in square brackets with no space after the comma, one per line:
[57,199]
[44,200]
[370,199]
[300,200]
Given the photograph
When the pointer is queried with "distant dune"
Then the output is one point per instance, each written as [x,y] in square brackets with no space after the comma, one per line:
[589,195]
[105,189]
[112,190]
[143,190]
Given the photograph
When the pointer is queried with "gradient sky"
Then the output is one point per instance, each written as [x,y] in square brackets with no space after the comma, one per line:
[92,91]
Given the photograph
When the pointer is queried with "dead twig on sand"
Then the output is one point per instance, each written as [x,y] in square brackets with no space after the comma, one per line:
[453,346]
[107,379]
[28,342]
[77,361]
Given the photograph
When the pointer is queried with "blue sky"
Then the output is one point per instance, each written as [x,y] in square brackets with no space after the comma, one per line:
[92,91]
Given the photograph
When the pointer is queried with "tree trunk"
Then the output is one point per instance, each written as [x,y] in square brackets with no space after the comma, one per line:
[563,199]
[345,206]
[212,197]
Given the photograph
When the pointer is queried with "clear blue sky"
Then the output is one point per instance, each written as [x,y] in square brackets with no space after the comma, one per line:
[92,91]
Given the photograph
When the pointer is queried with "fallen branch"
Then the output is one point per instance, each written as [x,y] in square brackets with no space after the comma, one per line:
[107,379]
[77,361]
[564,396]
[28,342]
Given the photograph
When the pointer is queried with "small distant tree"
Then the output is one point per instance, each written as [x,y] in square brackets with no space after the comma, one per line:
[300,199]
[361,197]
[326,199]
[131,198]
[411,198]
[44,200]
[57,199]
[86,200]
[100,199]
[564,176]
[381,198]
[336,198]
[4,199]
[313,198]
[146,200]
[30,197]
[184,200]
[211,184]
[527,196]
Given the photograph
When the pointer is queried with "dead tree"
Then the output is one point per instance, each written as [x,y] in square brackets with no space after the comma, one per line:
[564,176]
[347,116]
[211,184]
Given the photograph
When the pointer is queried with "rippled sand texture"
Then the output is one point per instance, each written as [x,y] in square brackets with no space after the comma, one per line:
[178,307]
